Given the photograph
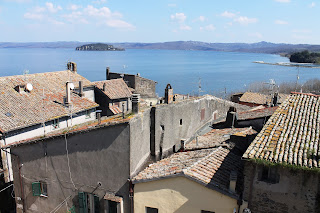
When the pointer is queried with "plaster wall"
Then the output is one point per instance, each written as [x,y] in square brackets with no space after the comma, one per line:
[36,131]
[296,191]
[180,195]
[181,120]
[139,141]
[99,155]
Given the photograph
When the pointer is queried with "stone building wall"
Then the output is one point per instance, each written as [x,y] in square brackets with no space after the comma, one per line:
[293,191]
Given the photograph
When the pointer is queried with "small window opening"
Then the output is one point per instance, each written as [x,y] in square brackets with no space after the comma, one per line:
[180,121]
[151,210]
[269,175]
[56,123]
[162,127]
[40,189]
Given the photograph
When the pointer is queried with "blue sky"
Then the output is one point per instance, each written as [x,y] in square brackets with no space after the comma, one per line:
[278,21]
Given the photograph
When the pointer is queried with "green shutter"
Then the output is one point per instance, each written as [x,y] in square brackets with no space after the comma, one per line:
[83,202]
[96,204]
[36,189]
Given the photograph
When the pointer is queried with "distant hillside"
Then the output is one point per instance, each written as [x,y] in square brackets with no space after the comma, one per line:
[98,47]
[305,57]
[261,47]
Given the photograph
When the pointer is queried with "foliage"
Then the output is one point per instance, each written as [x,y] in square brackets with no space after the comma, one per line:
[310,86]
[305,57]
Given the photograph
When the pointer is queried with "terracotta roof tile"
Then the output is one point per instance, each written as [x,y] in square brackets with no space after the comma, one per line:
[216,137]
[45,102]
[115,89]
[291,135]
[258,113]
[258,98]
[211,167]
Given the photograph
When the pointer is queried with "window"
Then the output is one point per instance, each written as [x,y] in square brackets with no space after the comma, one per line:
[56,123]
[88,203]
[151,210]
[112,206]
[88,113]
[269,174]
[204,211]
[203,111]
[40,189]
[180,122]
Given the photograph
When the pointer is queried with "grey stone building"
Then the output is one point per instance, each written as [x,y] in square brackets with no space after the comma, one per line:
[113,96]
[89,167]
[282,164]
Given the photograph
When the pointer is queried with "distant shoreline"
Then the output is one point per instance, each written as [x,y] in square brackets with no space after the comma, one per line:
[260,47]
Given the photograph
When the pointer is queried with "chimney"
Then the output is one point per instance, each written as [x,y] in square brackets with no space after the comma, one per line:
[135,103]
[72,66]
[183,144]
[80,88]
[68,93]
[108,73]
[233,181]
[168,96]
[104,87]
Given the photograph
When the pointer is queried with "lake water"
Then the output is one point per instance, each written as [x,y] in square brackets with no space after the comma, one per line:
[182,69]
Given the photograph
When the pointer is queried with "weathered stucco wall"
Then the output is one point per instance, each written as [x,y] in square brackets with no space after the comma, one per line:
[145,87]
[180,195]
[99,155]
[296,191]
[139,141]
[180,120]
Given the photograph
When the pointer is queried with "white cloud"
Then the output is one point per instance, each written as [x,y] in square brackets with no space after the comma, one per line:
[202,18]
[185,27]
[74,7]
[312,5]
[103,12]
[301,31]
[209,27]
[172,5]
[120,24]
[179,17]
[280,22]
[33,16]
[75,17]
[256,35]
[99,1]
[51,8]
[228,14]
[283,1]
[244,20]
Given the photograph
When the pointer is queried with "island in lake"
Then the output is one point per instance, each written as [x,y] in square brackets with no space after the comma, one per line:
[98,47]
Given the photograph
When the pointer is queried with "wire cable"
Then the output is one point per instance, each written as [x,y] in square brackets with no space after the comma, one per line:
[6,188]
[65,137]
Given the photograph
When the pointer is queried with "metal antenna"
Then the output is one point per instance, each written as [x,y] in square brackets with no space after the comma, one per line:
[298,77]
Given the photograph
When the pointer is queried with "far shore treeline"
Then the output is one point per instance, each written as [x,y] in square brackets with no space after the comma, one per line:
[305,57]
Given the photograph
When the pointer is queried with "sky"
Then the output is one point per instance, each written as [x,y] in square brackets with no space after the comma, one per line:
[228,21]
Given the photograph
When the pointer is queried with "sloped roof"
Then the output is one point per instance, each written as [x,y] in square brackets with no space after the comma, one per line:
[115,89]
[258,98]
[258,113]
[45,102]
[217,137]
[291,135]
[210,167]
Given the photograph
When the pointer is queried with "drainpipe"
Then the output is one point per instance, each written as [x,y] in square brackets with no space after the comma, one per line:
[21,181]
[131,193]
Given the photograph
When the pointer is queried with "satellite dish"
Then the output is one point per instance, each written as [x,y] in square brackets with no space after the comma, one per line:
[29,87]
[71,86]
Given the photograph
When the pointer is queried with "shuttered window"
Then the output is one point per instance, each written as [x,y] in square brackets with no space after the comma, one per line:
[83,208]
[36,189]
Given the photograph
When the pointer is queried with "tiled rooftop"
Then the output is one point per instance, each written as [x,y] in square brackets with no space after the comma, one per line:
[258,98]
[217,137]
[115,89]
[45,102]
[210,167]
[292,133]
[258,113]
